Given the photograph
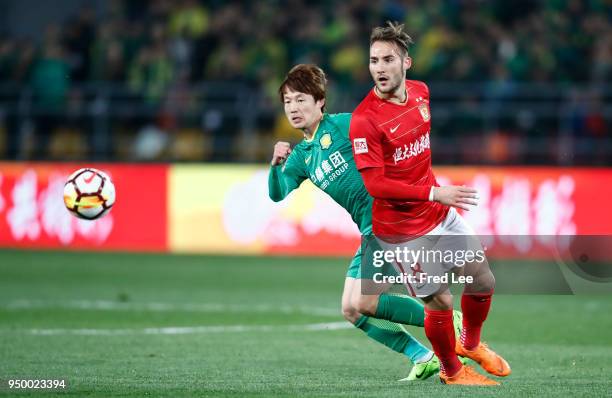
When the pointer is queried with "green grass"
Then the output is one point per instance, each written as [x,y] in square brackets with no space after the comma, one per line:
[557,345]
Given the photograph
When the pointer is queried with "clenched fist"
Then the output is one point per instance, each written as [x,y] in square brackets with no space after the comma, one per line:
[461,197]
[282,150]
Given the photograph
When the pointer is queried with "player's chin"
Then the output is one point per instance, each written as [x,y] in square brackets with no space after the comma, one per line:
[384,89]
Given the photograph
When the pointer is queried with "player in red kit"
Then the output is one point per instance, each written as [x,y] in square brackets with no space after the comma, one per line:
[390,133]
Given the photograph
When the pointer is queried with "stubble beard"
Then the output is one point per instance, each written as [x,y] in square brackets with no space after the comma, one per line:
[390,88]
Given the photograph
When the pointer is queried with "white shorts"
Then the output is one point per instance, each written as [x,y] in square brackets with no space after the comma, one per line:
[426,261]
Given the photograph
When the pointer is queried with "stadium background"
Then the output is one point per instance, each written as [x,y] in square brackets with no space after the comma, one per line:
[177,101]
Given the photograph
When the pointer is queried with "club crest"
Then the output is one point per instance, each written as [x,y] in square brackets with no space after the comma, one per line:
[424,109]
[325,141]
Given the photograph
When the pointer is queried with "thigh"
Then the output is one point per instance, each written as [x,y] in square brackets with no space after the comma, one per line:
[349,287]
[453,224]
[416,271]
[369,275]
[458,241]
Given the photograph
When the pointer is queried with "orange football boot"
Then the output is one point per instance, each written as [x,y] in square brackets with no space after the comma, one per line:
[467,376]
[485,357]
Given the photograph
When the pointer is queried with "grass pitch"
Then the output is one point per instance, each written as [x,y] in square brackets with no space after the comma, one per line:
[161,325]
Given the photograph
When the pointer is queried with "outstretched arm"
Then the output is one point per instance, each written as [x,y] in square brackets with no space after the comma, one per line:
[382,187]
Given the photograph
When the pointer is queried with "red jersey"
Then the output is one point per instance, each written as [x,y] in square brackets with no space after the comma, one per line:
[396,137]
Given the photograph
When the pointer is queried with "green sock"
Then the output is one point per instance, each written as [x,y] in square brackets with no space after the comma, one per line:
[400,309]
[393,336]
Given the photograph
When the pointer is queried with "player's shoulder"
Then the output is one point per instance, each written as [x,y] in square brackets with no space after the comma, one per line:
[338,123]
[299,149]
[339,117]
[295,160]
[361,119]
[417,86]
[361,123]
[366,108]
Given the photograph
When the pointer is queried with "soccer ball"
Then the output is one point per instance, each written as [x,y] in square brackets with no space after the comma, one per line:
[89,194]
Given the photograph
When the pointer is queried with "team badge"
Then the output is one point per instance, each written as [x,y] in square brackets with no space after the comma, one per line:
[325,141]
[424,109]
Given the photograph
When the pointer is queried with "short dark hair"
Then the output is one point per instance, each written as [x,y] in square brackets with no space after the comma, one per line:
[307,79]
[392,33]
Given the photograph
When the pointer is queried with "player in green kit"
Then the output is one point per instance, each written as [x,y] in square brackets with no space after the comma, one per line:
[325,157]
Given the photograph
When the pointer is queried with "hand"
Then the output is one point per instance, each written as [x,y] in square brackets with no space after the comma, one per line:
[461,197]
[282,150]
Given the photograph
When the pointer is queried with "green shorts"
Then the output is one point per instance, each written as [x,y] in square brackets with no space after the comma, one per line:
[354,269]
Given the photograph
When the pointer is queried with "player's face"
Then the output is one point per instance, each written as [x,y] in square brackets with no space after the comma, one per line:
[387,66]
[301,109]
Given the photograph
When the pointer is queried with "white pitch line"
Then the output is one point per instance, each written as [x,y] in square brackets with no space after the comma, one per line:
[107,305]
[312,327]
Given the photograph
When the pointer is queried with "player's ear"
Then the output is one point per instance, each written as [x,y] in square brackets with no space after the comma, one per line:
[320,104]
[407,62]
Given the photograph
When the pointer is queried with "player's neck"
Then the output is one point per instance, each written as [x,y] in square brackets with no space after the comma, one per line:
[398,96]
[309,132]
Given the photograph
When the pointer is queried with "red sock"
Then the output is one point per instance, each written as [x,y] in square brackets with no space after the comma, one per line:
[475,309]
[440,332]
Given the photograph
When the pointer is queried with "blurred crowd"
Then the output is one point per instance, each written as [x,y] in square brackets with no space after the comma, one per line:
[154,49]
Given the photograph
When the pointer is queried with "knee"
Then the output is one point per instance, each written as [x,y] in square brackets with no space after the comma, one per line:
[489,284]
[483,282]
[350,313]
[483,279]
[365,304]
[440,302]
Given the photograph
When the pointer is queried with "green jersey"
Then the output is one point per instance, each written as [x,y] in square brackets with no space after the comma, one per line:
[327,160]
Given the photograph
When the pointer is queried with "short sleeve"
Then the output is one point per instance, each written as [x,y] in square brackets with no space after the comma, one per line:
[366,142]
[426,88]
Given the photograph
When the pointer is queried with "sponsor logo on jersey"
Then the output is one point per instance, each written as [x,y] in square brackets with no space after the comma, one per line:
[360,145]
[325,141]
[416,147]
[328,172]
[394,128]
[307,160]
[424,109]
